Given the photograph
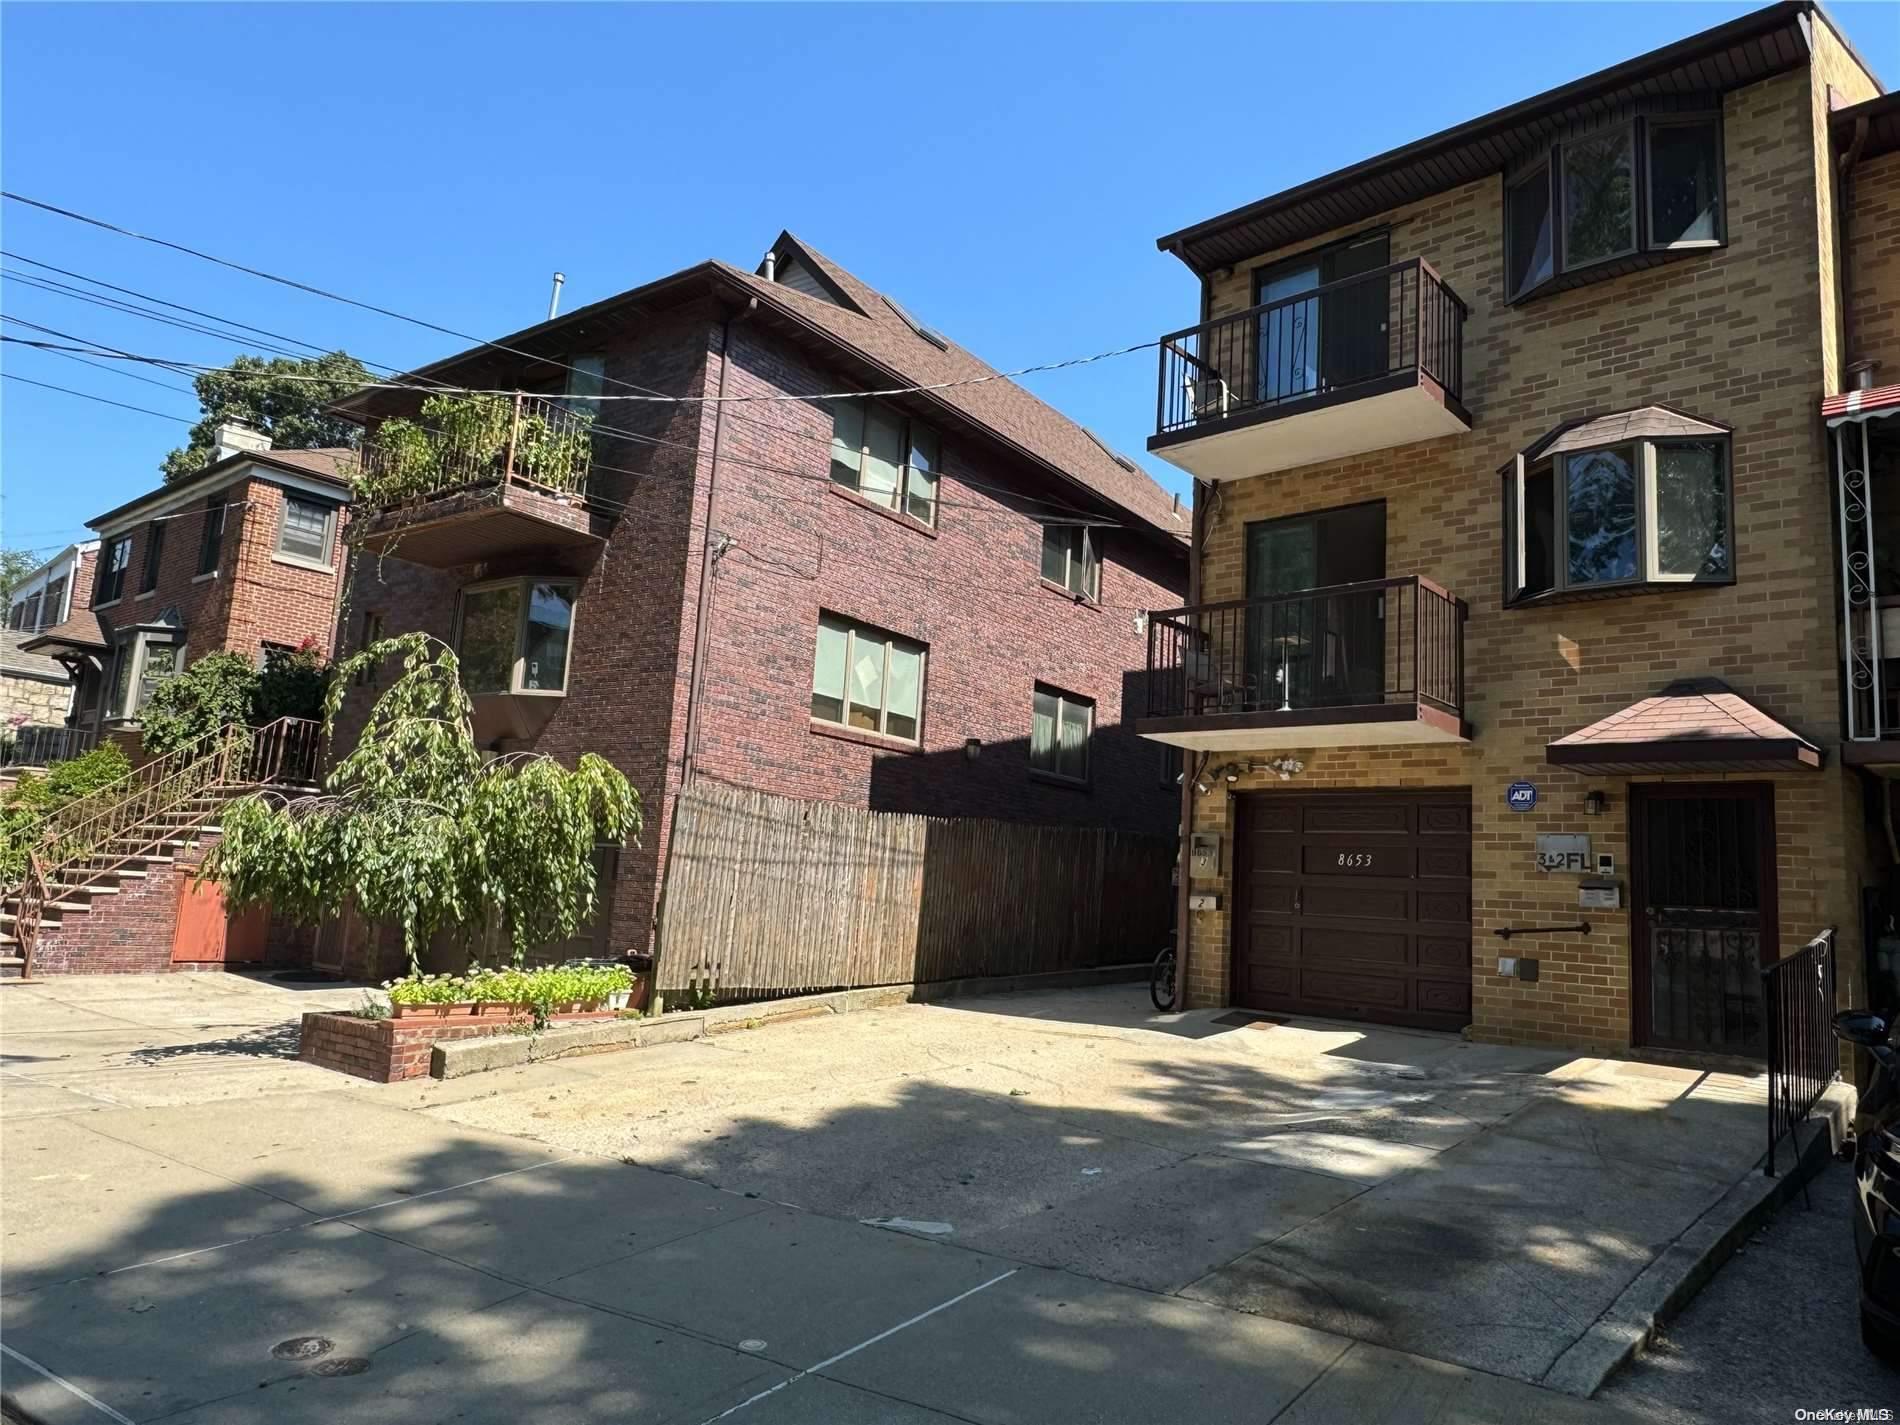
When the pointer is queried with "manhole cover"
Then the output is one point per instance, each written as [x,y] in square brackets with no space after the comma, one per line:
[752,1343]
[341,1366]
[302,1348]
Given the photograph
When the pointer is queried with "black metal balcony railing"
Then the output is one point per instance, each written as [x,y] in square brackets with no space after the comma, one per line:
[1326,341]
[1381,641]
[37,744]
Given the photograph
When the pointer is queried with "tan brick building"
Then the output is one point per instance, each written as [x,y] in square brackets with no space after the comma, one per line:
[1516,550]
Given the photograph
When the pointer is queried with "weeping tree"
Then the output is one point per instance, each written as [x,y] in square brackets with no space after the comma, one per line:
[423,830]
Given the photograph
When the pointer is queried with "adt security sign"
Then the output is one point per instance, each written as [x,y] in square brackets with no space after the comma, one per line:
[1520,796]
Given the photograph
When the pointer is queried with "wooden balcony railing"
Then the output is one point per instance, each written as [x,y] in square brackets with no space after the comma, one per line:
[1378,642]
[1330,341]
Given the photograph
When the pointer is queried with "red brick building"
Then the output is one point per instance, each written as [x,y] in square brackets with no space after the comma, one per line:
[242,557]
[924,602]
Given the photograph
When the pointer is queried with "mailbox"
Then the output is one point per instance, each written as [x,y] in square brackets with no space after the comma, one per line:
[1600,895]
[1204,853]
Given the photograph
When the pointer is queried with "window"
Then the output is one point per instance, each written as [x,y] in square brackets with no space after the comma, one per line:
[16,616]
[211,535]
[1599,198]
[867,679]
[1685,182]
[154,555]
[304,533]
[112,565]
[1584,515]
[1649,185]
[585,377]
[372,632]
[1059,726]
[1070,559]
[886,457]
[145,659]
[54,609]
[514,636]
[1527,236]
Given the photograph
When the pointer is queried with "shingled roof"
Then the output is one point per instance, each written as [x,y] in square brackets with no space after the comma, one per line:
[866,331]
[1692,725]
[881,331]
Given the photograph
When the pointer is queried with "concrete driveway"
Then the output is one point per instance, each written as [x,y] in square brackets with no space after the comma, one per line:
[1022,1209]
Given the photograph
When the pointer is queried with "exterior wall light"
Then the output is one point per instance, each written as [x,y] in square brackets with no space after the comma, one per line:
[972,748]
[1594,803]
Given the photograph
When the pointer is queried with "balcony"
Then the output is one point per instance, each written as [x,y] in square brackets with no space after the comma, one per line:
[1375,663]
[1366,363]
[475,478]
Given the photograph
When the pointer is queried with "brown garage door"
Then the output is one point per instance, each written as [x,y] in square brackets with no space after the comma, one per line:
[1355,905]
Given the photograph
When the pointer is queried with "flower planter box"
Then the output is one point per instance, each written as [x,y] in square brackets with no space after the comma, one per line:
[390,1050]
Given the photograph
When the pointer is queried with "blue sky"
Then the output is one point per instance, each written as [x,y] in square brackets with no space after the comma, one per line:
[1001,170]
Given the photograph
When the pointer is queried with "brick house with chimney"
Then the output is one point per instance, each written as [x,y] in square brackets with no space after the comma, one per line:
[1511,677]
[928,601]
[243,557]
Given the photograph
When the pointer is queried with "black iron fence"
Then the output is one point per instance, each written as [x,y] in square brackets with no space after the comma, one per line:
[1344,646]
[1328,340]
[38,744]
[1803,1058]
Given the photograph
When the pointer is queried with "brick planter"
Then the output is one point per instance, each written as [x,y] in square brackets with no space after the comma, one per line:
[389,1050]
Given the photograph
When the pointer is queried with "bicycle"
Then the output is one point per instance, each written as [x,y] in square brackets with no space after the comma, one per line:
[1161,980]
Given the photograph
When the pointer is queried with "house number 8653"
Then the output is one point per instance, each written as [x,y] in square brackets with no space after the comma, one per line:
[1352,859]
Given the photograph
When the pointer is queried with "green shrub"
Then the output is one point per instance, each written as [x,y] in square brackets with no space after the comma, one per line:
[222,688]
[291,685]
[218,688]
[542,991]
[37,795]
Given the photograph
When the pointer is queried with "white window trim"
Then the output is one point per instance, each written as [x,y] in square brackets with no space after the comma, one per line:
[518,670]
[852,628]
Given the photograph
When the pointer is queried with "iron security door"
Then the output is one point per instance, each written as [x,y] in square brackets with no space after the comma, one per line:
[1703,914]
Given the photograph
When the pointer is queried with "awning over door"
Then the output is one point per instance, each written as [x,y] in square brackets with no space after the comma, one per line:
[1693,725]
[83,633]
[1861,405]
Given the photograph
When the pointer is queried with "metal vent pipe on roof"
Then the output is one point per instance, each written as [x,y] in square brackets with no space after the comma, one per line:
[771,267]
[554,297]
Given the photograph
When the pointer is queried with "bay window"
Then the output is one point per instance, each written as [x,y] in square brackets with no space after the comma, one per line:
[514,636]
[886,457]
[1626,502]
[866,679]
[1611,199]
[146,658]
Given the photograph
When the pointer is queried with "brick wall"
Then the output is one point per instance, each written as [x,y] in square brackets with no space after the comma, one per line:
[391,1050]
[1734,336]
[1873,235]
[125,934]
[970,591]
[251,599]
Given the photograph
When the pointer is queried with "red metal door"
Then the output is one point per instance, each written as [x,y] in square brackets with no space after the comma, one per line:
[206,933]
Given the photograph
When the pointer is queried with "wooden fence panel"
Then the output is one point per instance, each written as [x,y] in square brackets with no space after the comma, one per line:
[769,895]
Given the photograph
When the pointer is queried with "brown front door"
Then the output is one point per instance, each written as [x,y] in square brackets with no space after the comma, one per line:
[1355,905]
[1702,913]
